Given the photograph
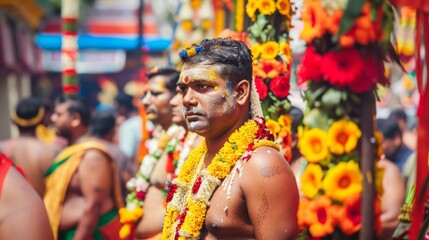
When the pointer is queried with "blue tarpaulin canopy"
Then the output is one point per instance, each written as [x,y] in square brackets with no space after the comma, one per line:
[86,41]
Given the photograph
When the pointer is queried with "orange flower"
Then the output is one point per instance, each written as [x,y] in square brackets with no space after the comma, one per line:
[319,217]
[333,21]
[349,216]
[302,211]
[314,18]
[267,68]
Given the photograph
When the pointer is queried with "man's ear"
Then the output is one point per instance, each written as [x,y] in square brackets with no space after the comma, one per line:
[76,120]
[242,92]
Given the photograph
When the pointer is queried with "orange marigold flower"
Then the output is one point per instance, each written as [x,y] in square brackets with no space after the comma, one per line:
[314,18]
[319,217]
[302,211]
[349,216]
[267,68]
[267,7]
[284,7]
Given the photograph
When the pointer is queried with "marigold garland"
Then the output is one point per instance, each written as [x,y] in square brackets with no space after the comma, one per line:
[191,191]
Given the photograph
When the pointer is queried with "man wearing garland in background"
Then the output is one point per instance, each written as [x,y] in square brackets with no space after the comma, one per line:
[27,151]
[176,152]
[235,184]
[82,187]
[161,88]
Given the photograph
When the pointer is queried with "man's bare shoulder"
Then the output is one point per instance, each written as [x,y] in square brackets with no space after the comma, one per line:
[268,162]
[95,157]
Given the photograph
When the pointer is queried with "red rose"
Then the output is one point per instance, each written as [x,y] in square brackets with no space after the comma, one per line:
[141,195]
[261,88]
[310,68]
[280,86]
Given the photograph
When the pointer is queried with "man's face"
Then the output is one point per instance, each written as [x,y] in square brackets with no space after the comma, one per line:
[208,100]
[177,109]
[390,146]
[156,99]
[62,120]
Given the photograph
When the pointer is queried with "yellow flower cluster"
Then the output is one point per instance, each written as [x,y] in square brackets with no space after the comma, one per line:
[195,206]
[317,144]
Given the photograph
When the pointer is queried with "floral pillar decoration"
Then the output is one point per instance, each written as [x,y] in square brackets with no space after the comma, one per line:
[69,51]
[347,42]
[269,37]
[194,22]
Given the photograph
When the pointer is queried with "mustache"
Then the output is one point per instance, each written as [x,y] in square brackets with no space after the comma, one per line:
[192,111]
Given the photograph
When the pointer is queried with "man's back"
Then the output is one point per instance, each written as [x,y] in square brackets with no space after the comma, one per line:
[33,156]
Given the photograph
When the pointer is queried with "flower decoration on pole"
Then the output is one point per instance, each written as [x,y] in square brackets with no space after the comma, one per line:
[69,51]
[347,43]
[194,22]
[272,61]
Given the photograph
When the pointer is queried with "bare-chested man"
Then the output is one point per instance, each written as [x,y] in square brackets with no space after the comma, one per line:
[150,226]
[235,184]
[161,88]
[27,151]
[22,213]
[82,191]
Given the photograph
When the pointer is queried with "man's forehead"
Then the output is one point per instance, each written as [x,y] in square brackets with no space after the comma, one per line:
[200,73]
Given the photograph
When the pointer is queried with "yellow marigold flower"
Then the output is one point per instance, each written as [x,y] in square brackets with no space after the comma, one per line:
[267,7]
[343,136]
[187,25]
[320,218]
[285,50]
[125,231]
[311,180]
[256,50]
[379,174]
[313,145]
[270,50]
[195,4]
[342,181]
[273,126]
[285,121]
[284,7]
[206,24]
[251,7]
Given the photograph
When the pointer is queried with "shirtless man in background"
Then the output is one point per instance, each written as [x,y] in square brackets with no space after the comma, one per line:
[26,151]
[82,187]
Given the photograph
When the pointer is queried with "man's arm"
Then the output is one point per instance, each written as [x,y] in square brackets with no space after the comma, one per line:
[22,212]
[95,175]
[392,199]
[271,195]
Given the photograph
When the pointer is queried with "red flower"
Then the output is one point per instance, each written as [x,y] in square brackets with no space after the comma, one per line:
[141,195]
[197,185]
[310,68]
[280,86]
[261,88]
[342,67]
[171,193]
[367,79]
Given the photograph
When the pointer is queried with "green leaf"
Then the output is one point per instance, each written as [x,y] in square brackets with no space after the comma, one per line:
[331,98]
[352,12]
[316,119]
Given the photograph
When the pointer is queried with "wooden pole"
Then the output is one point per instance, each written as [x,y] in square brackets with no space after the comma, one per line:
[367,165]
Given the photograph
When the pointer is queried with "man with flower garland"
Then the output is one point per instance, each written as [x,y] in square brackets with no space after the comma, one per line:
[235,184]
[161,88]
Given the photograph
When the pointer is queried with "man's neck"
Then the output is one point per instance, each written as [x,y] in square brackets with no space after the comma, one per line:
[215,144]
[77,137]
[31,133]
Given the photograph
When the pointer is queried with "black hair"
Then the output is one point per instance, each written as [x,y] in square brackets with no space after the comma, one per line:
[126,101]
[76,105]
[398,114]
[297,117]
[102,123]
[234,56]
[28,108]
[171,73]
[389,128]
